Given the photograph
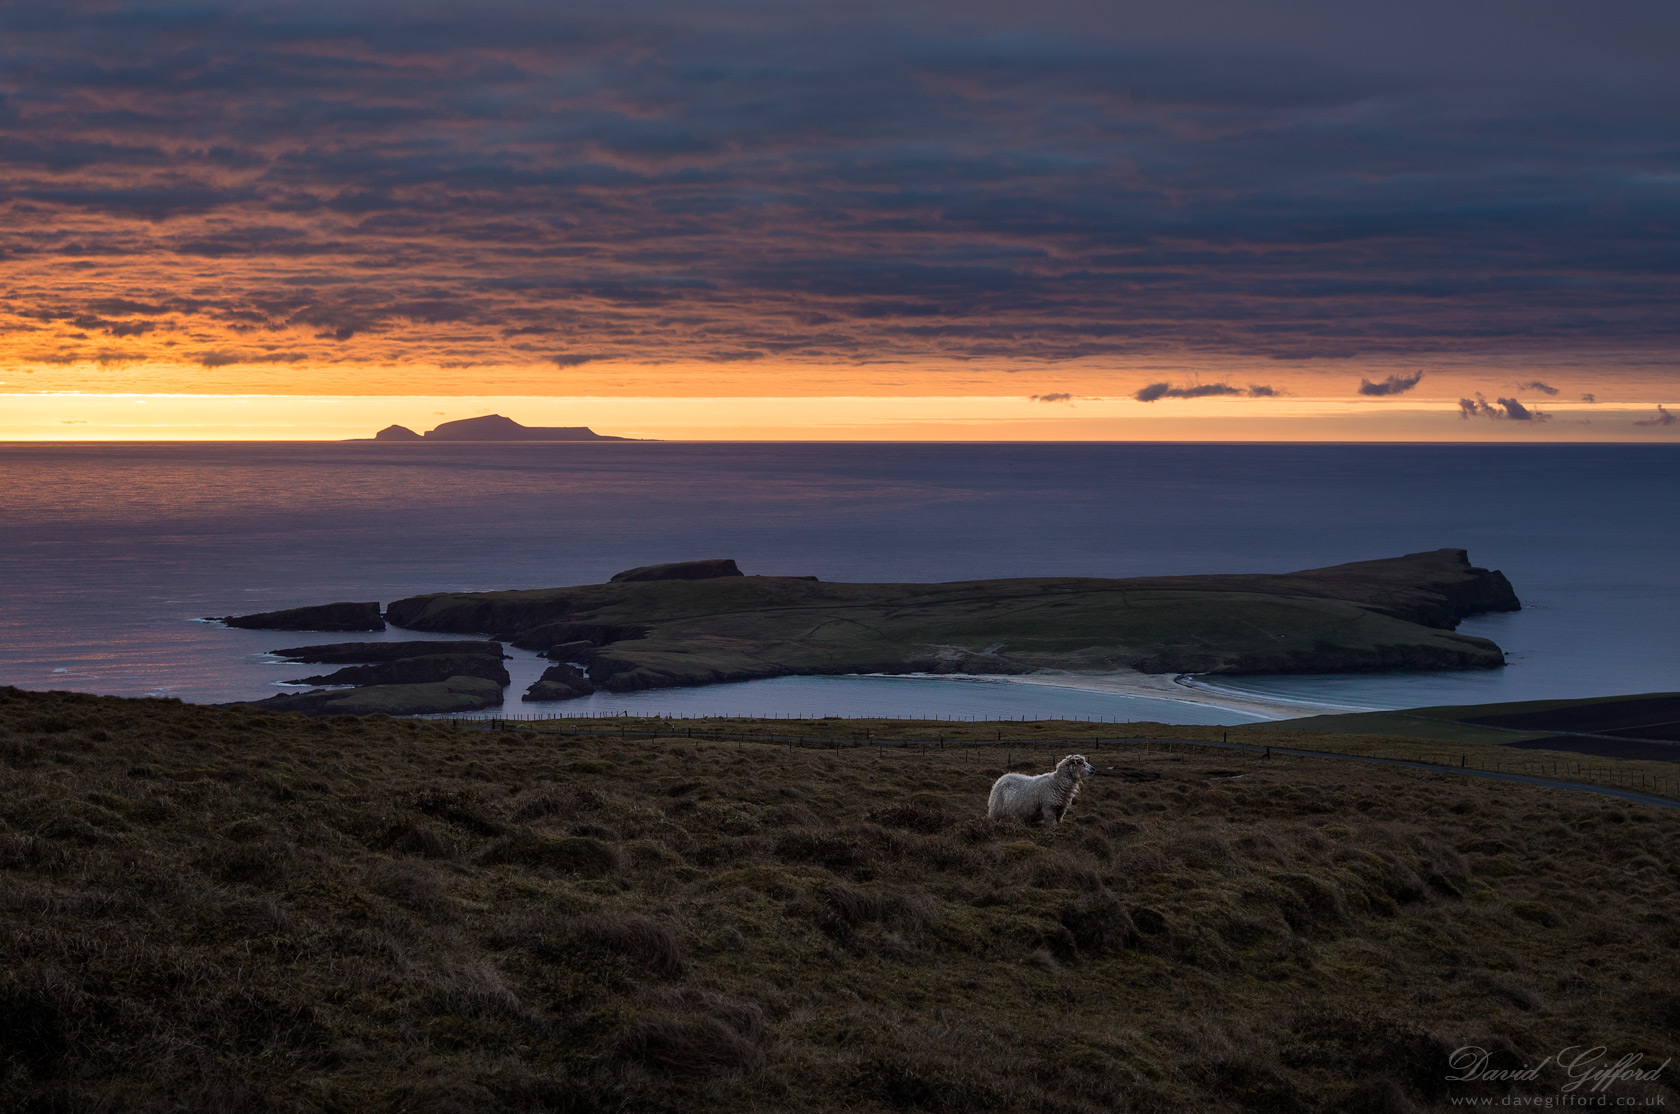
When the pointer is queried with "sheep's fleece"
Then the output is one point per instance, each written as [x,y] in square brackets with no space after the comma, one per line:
[1045,797]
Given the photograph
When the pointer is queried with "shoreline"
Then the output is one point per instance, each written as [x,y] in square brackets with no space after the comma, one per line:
[1179,688]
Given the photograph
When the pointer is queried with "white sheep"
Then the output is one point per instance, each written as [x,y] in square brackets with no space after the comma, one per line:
[1045,797]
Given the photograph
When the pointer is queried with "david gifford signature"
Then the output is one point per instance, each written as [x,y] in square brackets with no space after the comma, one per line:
[1585,1067]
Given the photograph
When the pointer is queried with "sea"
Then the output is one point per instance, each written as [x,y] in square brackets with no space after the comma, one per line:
[112,555]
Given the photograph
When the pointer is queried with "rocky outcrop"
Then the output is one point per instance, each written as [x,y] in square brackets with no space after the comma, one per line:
[327,616]
[396,674]
[424,669]
[679,570]
[457,694]
[354,653]
[560,682]
[397,433]
[1478,592]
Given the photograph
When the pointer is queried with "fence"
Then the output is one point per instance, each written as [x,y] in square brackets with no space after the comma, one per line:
[787,717]
[1484,759]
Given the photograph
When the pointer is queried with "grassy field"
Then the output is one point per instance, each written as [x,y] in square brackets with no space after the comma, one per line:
[1395,735]
[232,910]
[1610,726]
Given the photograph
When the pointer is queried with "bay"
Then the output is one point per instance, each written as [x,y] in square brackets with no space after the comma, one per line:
[110,554]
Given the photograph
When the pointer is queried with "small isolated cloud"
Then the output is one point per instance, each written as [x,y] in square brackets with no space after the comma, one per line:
[216,357]
[1589,398]
[1501,409]
[1393,385]
[1054,396]
[1536,385]
[578,359]
[1663,418]
[1517,412]
[1202,390]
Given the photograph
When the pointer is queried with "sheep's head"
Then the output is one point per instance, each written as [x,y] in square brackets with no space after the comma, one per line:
[1075,767]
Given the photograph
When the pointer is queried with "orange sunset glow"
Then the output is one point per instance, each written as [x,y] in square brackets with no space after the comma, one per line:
[603,206]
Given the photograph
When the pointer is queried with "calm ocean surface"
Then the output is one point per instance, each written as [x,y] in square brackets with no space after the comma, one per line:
[109,553]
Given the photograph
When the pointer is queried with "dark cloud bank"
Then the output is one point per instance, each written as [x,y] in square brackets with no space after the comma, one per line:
[564,183]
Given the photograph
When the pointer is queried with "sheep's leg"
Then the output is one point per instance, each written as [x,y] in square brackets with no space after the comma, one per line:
[1052,813]
[1060,811]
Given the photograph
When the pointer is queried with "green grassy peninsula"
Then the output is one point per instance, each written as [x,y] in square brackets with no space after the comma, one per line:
[658,628]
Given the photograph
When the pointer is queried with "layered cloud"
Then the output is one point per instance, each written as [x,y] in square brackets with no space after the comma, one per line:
[756,185]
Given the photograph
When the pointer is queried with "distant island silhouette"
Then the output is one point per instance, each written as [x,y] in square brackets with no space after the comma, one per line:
[491,427]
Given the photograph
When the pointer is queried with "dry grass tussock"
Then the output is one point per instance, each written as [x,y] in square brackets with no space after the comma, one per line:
[207,910]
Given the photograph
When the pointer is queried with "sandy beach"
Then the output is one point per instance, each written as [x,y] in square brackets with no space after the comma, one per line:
[1182,688]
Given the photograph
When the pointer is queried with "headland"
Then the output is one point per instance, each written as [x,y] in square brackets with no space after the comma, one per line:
[703,622]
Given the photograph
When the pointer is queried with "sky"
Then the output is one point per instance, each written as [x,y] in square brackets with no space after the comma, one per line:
[767,218]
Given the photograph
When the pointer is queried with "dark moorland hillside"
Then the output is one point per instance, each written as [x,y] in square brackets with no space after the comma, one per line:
[233,910]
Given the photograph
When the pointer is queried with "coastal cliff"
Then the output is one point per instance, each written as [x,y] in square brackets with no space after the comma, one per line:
[630,634]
